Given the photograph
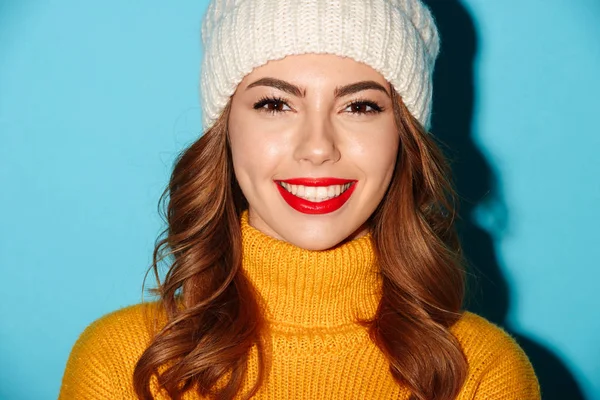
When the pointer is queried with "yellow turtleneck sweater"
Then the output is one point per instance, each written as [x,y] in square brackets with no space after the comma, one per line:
[311,300]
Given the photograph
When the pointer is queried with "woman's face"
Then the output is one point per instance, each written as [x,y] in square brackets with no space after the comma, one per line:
[314,144]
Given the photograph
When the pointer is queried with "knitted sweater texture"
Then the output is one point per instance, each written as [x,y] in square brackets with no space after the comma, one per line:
[311,301]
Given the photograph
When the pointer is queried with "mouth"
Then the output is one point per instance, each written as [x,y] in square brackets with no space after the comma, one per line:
[316,195]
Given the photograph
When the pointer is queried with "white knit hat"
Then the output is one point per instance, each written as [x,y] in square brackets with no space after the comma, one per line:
[397,38]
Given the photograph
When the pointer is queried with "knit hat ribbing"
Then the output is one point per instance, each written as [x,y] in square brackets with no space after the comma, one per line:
[397,38]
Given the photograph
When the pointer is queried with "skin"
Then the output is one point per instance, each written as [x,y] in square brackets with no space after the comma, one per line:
[312,133]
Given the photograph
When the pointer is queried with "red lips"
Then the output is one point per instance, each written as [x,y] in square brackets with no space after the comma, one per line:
[310,207]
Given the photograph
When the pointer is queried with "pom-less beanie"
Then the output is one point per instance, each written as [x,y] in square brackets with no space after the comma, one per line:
[397,38]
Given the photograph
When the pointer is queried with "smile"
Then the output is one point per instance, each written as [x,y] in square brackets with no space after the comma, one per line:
[316,195]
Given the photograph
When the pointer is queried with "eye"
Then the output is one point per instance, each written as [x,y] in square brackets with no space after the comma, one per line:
[273,105]
[364,107]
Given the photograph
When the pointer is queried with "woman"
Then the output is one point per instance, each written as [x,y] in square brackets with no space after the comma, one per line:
[310,229]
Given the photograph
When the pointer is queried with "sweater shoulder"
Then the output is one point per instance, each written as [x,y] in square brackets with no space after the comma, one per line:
[103,358]
[498,366]
[139,320]
[481,339]
[125,333]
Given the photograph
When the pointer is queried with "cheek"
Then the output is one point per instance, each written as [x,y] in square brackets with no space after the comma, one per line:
[255,153]
[377,155]
[381,167]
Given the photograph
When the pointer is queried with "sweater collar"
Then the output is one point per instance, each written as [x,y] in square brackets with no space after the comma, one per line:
[307,288]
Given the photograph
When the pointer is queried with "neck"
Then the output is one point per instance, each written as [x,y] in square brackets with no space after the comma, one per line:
[309,288]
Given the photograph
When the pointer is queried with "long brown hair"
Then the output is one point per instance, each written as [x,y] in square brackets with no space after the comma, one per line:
[213,319]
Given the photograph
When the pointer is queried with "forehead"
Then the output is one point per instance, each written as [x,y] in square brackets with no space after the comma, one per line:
[315,70]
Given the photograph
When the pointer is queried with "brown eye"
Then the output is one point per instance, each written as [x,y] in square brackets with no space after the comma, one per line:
[364,107]
[273,105]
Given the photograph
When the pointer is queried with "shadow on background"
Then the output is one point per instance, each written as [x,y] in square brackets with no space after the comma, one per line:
[475,182]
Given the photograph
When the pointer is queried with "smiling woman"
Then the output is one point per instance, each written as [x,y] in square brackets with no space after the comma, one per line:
[310,229]
[314,124]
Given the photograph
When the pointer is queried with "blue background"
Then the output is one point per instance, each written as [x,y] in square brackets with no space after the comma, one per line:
[97,99]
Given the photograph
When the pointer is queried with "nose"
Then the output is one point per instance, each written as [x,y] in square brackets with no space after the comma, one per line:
[317,142]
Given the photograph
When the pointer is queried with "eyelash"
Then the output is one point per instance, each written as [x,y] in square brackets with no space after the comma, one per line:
[376,108]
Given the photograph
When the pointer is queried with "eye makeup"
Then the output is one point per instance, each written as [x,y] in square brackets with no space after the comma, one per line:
[276,101]
[276,104]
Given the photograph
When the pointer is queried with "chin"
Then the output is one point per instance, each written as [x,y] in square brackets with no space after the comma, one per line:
[316,240]
[316,244]
[310,232]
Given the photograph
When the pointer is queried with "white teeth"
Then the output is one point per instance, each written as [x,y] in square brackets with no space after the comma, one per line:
[309,193]
[321,193]
[331,191]
[316,194]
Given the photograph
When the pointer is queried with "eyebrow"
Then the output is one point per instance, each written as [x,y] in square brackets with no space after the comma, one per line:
[301,92]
